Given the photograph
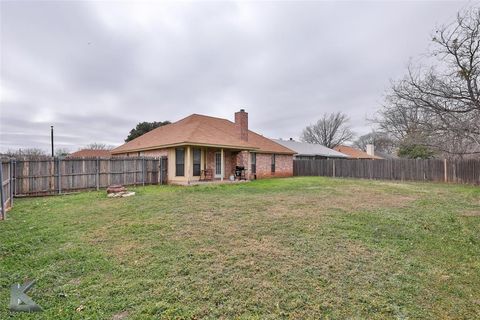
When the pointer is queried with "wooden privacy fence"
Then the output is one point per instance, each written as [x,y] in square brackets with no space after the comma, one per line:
[456,171]
[6,192]
[56,175]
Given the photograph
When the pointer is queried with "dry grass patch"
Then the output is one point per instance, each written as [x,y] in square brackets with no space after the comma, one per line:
[303,248]
[350,200]
[120,316]
[471,213]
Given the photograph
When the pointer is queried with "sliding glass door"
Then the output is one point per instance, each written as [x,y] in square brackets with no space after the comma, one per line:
[218,165]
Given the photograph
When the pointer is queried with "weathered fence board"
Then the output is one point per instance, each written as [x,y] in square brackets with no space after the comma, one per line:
[6,190]
[458,171]
[56,176]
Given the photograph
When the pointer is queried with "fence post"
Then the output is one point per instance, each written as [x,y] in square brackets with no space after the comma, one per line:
[124,173]
[98,174]
[371,168]
[135,172]
[59,175]
[2,196]
[391,169]
[334,168]
[53,175]
[143,171]
[12,179]
[445,172]
[83,176]
[109,172]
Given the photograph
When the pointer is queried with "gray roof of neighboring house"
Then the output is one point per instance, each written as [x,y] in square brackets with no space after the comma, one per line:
[310,149]
[387,156]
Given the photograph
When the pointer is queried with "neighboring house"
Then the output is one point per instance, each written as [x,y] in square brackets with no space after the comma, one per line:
[354,153]
[386,156]
[90,153]
[198,144]
[306,151]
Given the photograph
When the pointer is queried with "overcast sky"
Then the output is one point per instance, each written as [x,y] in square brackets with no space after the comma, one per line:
[96,69]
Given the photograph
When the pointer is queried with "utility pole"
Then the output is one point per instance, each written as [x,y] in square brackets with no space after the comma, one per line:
[51,135]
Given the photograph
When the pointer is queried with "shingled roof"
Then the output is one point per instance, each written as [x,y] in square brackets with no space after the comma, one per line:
[311,149]
[88,153]
[201,130]
[355,153]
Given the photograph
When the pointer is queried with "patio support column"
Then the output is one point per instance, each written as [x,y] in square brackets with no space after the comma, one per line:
[188,164]
[223,164]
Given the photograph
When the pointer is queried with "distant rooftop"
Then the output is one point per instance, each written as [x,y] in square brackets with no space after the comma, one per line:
[87,153]
[388,156]
[310,149]
[355,153]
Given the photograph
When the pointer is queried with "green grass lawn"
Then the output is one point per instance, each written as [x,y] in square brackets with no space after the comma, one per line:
[286,248]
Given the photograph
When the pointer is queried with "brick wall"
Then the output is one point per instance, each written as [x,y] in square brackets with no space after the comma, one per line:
[243,159]
[155,153]
[229,164]
[283,165]
[210,160]
[229,158]
[241,124]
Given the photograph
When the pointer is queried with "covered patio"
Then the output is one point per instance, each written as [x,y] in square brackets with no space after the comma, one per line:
[193,164]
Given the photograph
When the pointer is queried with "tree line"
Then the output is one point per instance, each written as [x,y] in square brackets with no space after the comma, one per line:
[140,129]
[434,110]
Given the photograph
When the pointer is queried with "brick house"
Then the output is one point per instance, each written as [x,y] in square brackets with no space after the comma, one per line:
[201,144]
[354,153]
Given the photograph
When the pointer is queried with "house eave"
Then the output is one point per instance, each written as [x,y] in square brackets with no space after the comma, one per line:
[320,155]
[185,143]
[275,152]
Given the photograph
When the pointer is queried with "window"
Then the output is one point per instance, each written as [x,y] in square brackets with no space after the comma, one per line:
[254,162]
[197,156]
[273,163]
[180,162]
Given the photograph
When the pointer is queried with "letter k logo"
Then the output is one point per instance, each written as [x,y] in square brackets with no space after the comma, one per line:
[19,301]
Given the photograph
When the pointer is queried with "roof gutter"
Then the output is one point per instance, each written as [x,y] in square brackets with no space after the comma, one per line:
[322,155]
[183,144]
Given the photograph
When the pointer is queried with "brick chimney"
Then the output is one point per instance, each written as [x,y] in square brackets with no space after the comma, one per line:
[241,122]
[370,150]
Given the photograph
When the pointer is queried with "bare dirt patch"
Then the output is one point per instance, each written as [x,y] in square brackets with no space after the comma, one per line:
[120,316]
[470,213]
[125,248]
[352,200]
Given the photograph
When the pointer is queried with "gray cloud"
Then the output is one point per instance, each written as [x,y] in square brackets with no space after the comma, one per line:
[96,69]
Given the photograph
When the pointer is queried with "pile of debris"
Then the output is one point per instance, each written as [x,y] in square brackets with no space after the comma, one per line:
[118,191]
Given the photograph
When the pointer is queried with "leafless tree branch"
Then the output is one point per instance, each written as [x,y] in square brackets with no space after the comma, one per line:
[330,131]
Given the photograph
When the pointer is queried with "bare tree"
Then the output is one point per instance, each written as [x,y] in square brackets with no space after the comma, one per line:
[381,141]
[331,130]
[98,146]
[439,107]
[62,152]
[27,153]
